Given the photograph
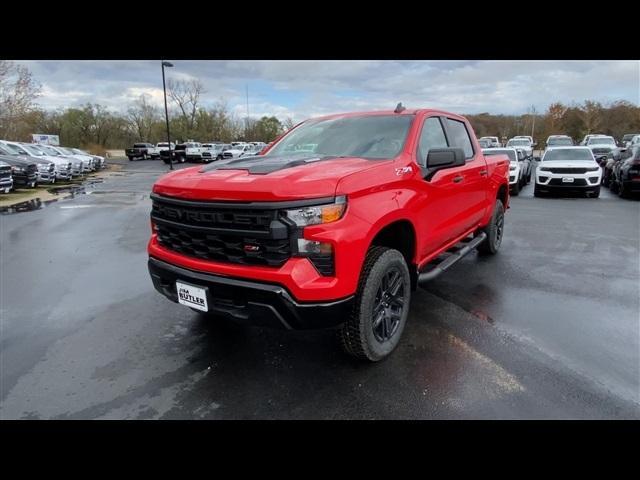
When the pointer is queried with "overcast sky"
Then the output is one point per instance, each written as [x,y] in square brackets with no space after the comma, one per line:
[302,89]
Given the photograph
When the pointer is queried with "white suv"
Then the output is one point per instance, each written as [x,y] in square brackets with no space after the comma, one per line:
[517,174]
[568,169]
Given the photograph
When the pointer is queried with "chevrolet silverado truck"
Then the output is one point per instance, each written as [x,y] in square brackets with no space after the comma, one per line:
[334,235]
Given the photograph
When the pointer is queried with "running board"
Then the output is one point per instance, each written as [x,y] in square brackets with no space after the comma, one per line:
[456,253]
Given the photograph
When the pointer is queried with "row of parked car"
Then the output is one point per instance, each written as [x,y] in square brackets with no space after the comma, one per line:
[193,151]
[564,166]
[25,165]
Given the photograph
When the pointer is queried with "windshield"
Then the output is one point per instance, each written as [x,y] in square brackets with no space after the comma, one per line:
[560,141]
[601,141]
[371,136]
[508,152]
[50,150]
[521,142]
[567,154]
[13,150]
[32,150]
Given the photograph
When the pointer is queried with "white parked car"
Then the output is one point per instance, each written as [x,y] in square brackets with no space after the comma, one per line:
[87,160]
[558,141]
[601,145]
[523,144]
[63,166]
[77,165]
[493,141]
[193,151]
[517,169]
[237,151]
[634,141]
[161,146]
[568,169]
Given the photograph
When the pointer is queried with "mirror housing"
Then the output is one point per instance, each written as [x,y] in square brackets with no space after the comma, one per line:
[442,158]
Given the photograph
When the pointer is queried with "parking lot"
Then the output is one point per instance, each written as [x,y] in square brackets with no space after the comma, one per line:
[548,328]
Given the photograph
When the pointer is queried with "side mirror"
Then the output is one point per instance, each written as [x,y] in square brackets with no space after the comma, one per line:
[441,158]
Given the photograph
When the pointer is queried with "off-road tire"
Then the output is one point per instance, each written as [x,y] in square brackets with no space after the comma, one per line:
[356,335]
[494,231]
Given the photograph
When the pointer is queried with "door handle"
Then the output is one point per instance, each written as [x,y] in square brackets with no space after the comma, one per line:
[458,179]
[483,173]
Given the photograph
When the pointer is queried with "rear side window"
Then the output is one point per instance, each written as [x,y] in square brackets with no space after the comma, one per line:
[459,137]
[432,136]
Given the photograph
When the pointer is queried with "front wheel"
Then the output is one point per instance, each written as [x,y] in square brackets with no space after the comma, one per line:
[515,190]
[381,306]
[494,231]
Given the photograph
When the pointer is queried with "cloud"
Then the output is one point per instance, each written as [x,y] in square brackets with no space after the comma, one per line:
[301,89]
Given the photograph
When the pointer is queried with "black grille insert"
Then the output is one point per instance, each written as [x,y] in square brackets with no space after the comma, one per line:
[568,170]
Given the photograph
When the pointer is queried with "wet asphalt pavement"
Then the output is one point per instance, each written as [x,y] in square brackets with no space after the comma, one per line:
[548,328]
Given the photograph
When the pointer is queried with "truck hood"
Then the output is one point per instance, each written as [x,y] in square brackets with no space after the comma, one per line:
[263,178]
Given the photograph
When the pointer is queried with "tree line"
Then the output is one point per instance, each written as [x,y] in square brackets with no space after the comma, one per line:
[96,128]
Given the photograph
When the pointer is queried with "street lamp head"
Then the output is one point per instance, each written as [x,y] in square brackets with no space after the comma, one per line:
[167,64]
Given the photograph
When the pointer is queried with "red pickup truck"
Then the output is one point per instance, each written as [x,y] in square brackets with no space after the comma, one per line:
[333,225]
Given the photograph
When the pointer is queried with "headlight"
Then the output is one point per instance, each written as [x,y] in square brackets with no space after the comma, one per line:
[512,167]
[17,169]
[318,214]
[543,169]
[593,169]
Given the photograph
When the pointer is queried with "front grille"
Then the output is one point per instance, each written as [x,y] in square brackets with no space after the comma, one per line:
[5,172]
[234,233]
[577,182]
[227,155]
[224,248]
[568,170]
[206,154]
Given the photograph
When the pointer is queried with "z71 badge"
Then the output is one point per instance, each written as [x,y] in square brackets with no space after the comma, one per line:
[403,170]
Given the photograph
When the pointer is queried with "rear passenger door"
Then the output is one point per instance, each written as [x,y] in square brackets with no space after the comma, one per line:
[473,192]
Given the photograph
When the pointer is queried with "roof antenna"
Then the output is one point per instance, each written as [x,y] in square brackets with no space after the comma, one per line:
[399,108]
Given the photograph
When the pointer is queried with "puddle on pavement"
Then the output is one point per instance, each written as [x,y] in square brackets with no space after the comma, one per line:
[65,192]
[27,206]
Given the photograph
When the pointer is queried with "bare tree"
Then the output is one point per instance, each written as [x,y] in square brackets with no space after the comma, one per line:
[18,90]
[186,95]
[142,116]
[288,124]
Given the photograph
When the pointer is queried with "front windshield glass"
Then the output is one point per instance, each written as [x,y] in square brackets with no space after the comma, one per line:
[509,153]
[567,154]
[371,136]
[12,149]
[560,141]
[519,142]
[50,150]
[601,141]
[32,151]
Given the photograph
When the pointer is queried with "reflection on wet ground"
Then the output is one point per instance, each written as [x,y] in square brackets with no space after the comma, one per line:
[67,191]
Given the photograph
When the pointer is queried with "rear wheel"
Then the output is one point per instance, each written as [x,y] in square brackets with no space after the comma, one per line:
[623,192]
[494,231]
[381,306]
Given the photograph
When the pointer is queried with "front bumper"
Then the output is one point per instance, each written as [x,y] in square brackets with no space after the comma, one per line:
[6,184]
[250,302]
[556,181]
[46,177]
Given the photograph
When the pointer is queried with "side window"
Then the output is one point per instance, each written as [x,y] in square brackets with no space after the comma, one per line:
[432,136]
[459,137]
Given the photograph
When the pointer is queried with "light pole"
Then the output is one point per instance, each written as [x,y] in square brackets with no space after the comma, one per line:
[166,112]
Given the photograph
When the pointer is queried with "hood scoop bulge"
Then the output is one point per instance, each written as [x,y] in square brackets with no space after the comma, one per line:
[263,165]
